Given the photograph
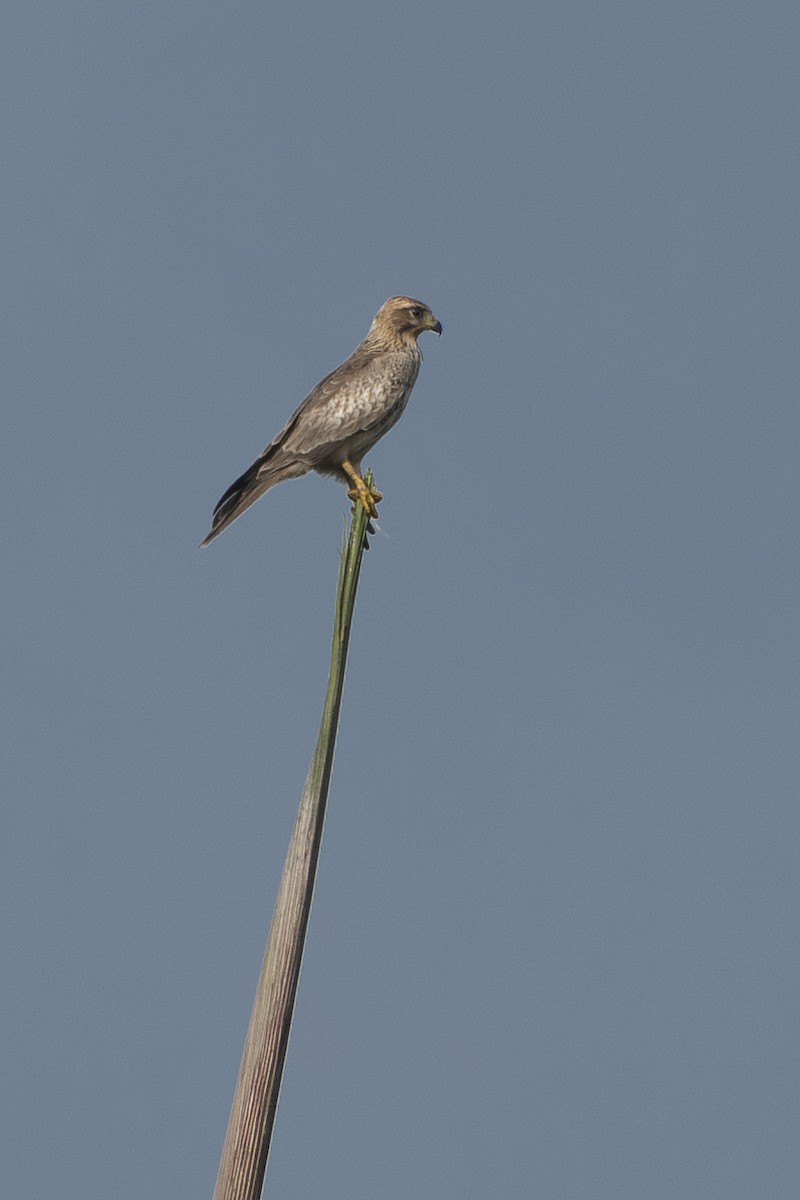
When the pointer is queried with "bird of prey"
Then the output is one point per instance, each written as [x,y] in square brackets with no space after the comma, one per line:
[344,416]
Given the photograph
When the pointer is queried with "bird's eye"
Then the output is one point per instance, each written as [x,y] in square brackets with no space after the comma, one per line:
[416,312]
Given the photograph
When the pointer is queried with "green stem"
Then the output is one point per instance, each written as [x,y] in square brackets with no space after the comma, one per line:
[244,1155]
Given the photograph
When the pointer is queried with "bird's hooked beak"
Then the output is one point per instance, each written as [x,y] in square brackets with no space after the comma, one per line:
[432,324]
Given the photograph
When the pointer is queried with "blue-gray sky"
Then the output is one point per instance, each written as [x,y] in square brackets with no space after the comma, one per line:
[553,949]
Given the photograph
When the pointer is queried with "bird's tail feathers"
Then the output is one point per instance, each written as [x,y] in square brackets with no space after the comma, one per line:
[246,490]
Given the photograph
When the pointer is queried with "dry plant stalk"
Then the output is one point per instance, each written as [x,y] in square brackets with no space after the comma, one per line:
[244,1154]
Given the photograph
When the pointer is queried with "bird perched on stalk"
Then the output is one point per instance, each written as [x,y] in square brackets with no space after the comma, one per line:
[344,416]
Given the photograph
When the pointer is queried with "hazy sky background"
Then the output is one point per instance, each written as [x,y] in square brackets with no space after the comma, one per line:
[553,950]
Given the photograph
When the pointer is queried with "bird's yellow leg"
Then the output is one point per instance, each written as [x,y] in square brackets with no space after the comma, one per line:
[368,496]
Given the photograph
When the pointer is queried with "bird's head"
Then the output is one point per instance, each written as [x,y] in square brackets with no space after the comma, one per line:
[403,319]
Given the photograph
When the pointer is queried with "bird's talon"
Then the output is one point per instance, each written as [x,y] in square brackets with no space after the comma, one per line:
[368,498]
